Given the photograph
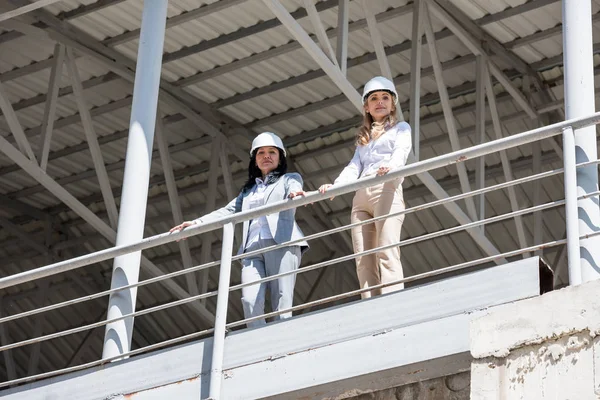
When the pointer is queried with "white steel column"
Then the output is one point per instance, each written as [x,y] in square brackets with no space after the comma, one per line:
[480,129]
[579,101]
[126,269]
[415,74]
[342,35]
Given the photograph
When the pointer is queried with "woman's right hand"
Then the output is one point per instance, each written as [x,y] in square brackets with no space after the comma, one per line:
[182,226]
[324,188]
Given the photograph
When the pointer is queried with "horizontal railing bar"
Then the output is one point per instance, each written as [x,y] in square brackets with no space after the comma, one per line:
[108,321]
[407,170]
[91,364]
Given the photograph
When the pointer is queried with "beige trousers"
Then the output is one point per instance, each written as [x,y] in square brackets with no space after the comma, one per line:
[383,266]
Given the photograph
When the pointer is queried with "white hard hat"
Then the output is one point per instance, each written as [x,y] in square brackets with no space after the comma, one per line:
[379,83]
[267,139]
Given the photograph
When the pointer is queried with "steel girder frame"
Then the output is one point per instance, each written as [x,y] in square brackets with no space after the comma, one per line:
[340,80]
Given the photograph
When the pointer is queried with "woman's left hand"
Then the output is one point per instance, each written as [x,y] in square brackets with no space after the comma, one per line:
[298,193]
[383,170]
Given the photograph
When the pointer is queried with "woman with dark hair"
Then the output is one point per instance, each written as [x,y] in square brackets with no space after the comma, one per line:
[268,182]
[382,144]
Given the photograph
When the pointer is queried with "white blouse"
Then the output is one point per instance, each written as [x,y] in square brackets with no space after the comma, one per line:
[391,149]
[259,228]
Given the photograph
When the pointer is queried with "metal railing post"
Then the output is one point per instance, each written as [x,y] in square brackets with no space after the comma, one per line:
[571,212]
[216,366]
[580,100]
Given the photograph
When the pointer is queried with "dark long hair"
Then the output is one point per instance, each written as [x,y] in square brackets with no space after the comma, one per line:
[254,172]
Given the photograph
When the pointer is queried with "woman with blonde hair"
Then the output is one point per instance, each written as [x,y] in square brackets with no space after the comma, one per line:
[382,144]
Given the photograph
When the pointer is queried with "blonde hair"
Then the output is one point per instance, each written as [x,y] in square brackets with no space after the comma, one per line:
[371,130]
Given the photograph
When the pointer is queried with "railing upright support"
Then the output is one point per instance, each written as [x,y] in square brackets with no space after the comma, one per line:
[579,101]
[572,220]
[132,215]
[216,366]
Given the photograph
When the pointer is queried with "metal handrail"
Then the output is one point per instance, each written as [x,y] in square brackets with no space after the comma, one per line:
[336,190]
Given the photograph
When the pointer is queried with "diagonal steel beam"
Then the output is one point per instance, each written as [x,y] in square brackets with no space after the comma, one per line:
[25,9]
[14,124]
[50,109]
[92,139]
[313,15]
[447,109]
[477,49]
[384,65]
[315,52]
[167,167]
[508,175]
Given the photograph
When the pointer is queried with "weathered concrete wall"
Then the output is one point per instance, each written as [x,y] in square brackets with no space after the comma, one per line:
[453,387]
[541,348]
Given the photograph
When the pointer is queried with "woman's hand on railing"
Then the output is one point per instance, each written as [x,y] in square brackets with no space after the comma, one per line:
[324,188]
[383,170]
[182,226]
[295,194]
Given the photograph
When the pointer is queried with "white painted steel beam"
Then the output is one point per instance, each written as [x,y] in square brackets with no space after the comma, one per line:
[579,99]
[400,333]
[211,199]
[92,139]
[314,51]
[50,108]
[384,65]
[14,124]
[167,167]
[447,109]
[508,175]
[415,75]
[315,20]
[342,36]
[476,49]
[25,9]
[481,136]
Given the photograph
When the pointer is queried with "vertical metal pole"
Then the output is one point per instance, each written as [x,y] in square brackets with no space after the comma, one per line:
[415,74]
[342,37]
[216,366]
[126,269]
[579,101]
[480,128]
[571,217]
